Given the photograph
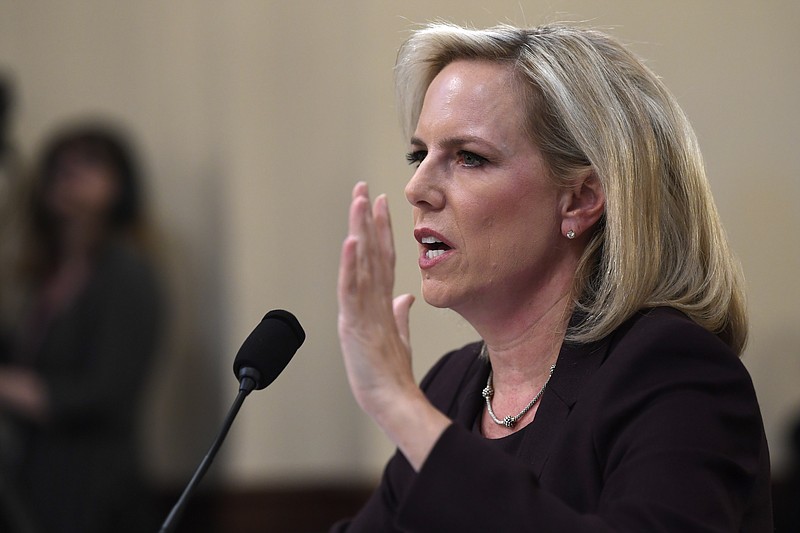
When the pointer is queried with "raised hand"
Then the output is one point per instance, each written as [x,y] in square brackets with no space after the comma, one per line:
[374,333]
[373,328]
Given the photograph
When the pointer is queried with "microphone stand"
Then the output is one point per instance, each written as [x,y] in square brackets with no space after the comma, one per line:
[248,380]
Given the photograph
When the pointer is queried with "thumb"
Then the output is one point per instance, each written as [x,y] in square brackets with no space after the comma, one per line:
[401,306]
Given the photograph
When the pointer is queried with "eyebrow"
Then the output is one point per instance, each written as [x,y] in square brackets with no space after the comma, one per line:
[451,142]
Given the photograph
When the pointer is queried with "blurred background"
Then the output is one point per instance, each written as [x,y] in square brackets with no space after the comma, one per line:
[253,119]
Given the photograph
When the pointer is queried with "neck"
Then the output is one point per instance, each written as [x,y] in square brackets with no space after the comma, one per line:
[79,239]
[521,364]
[522,347]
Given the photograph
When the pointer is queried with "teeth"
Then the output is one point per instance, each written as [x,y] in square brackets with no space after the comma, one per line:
[430,254]
[430,240]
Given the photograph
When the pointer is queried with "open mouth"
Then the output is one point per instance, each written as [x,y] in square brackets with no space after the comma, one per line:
[433,247]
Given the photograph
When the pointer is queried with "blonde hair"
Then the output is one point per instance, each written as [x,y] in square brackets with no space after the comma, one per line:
[592,104]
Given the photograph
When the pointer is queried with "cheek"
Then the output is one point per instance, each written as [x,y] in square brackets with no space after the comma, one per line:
[525,226]
[99,191]
[59,195]
[106,194]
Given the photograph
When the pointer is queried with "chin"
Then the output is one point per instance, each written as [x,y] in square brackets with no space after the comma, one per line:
[435,303]
[437,296]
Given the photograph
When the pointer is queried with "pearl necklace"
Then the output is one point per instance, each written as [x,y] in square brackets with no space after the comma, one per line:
[510,421]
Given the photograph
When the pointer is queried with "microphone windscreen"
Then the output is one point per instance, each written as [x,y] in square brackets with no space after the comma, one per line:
[270,346]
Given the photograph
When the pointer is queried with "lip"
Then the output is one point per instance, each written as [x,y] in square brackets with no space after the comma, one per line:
[424,262]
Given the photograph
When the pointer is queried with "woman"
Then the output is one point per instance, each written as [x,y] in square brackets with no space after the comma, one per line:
[74,374]
[561,208]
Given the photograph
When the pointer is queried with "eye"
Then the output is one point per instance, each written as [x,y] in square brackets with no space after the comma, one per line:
[415,158]
[468,159]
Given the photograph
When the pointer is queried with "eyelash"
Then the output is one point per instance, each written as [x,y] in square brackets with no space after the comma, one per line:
[480,160]
[415,158]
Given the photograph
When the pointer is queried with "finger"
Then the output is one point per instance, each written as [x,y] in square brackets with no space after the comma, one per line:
[375,251]
[383,224]
[361,228]
[401,306]
[354,242]
[360,215]
[361,189]
[348,279]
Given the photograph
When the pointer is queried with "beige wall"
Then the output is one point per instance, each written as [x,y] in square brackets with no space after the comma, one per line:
[256,117]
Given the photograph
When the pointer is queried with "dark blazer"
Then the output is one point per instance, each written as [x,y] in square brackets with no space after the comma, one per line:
[655,428]
[80,471]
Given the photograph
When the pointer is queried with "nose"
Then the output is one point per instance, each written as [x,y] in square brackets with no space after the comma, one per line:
[424,189]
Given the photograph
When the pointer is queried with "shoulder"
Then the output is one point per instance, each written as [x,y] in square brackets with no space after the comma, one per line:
[670,417]
[664,337]
[662,353]
[666,328]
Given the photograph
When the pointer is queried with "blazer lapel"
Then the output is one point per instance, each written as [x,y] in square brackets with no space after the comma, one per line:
[576,364]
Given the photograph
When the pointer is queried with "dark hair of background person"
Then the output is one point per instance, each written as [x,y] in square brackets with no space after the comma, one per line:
[5,110]
[9,158]
[103,142]
[6,105]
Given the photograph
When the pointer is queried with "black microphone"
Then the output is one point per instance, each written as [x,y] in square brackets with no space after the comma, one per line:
[263,355]
[268,349]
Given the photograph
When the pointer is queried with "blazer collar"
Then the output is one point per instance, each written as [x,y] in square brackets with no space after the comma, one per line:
[576,364]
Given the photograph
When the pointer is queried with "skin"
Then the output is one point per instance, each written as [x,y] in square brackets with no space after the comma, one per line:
[483,188]
[80,195]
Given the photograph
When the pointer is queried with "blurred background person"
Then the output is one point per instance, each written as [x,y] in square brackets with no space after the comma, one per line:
[77,359]
[787,487]
[12,514]
[10,197]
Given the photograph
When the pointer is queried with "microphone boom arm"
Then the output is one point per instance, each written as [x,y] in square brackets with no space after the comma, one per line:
[246,386]
[264,355]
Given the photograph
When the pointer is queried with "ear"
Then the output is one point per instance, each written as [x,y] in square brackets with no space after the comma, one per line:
[581,204]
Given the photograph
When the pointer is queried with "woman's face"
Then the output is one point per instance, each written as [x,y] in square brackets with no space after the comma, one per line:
[82,187]
[486,213]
